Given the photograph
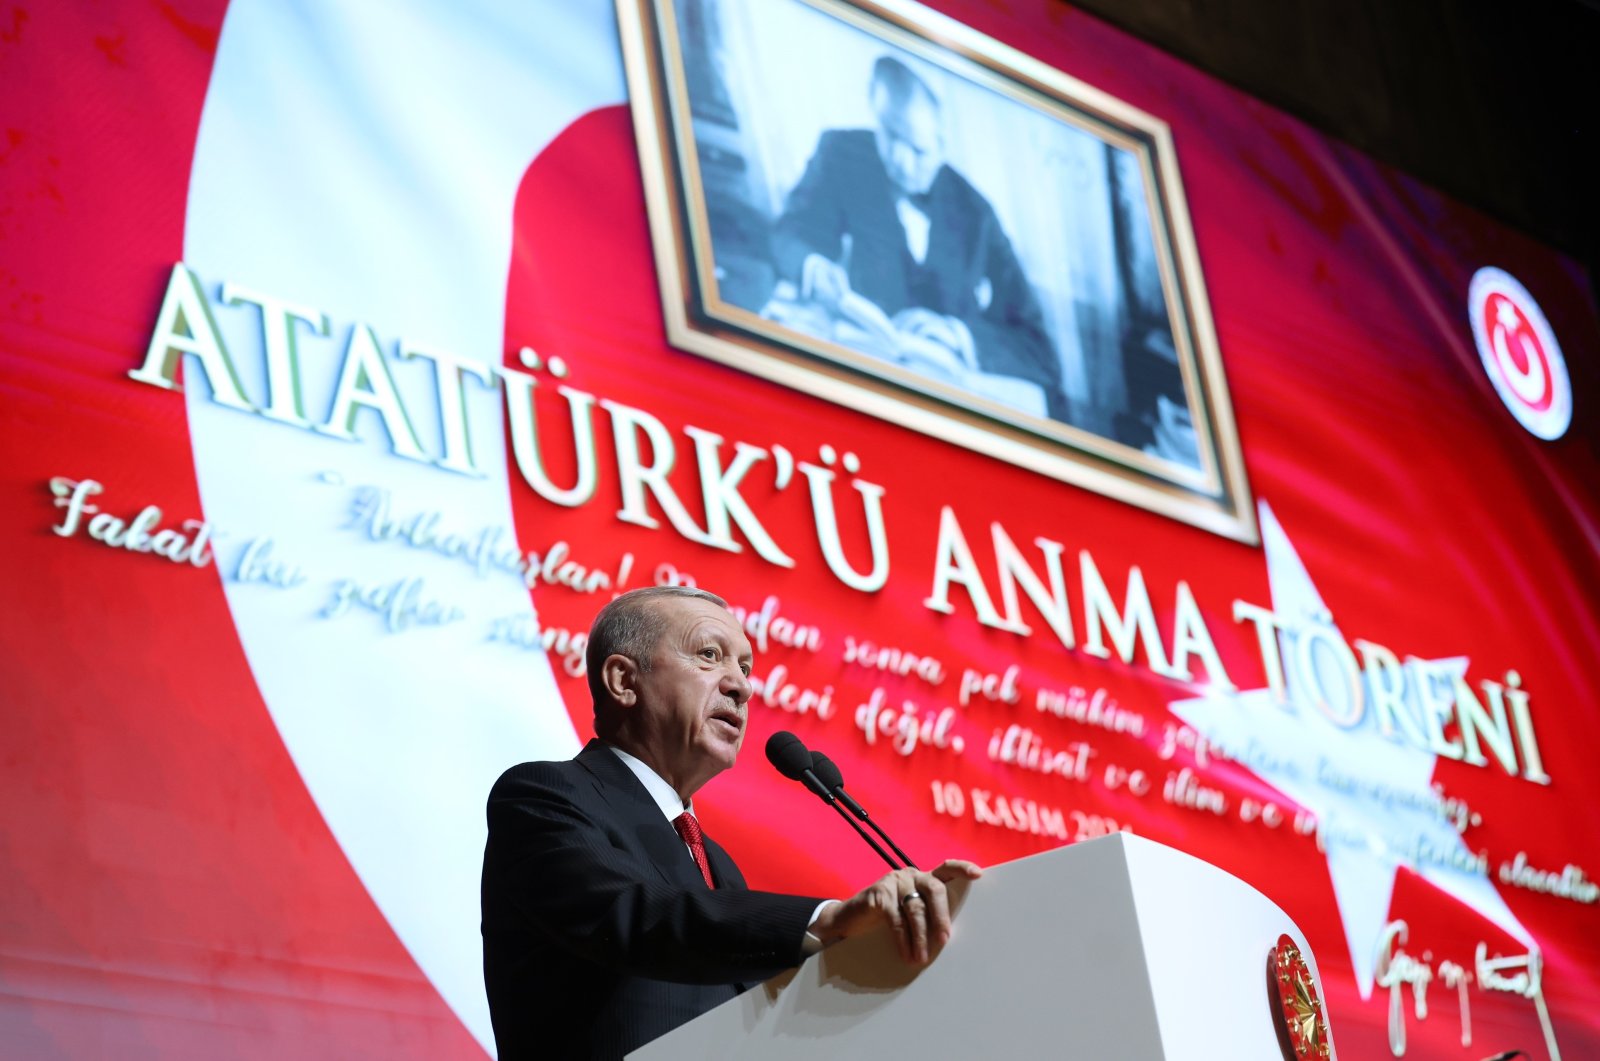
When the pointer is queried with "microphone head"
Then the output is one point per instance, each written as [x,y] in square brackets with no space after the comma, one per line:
[826,771]
[788,755]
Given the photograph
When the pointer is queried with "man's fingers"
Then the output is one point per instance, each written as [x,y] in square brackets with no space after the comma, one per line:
[916,918]
[929,325]
[822,279]
[938,904]
[888,899]
[833,284]
[916,906]
[905,914]
[808,278]
[928,909]
[955,868]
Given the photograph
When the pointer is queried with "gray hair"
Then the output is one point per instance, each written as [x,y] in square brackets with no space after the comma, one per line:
[631,625]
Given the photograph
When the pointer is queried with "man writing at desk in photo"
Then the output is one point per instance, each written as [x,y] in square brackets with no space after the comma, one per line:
[609,918]
[887,236]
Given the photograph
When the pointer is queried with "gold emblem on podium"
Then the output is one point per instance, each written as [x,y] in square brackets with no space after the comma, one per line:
[1302,1024]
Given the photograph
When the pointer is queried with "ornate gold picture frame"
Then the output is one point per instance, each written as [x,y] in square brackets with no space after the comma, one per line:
[872,203]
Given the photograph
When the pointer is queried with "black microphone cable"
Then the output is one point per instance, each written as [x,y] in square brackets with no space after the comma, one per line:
[828,773]
[791,759]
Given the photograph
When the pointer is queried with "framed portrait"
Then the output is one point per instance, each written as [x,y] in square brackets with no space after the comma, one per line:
[869,202]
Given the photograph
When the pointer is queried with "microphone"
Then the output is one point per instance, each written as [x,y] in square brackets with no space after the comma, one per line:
[789,756]
[791,759]
[828,773]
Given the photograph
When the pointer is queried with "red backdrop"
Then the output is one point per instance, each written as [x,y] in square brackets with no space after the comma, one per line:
[169,885]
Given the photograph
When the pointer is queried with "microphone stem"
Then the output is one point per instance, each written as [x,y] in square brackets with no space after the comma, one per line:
[875,846]
[879,830]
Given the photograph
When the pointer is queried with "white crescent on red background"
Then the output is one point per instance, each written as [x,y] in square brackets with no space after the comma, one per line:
[1520,353]
[295,193]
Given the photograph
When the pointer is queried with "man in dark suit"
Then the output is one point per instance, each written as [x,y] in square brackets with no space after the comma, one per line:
[609,918]
[878,215]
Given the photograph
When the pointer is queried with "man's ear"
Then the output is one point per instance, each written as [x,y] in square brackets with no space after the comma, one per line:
[620,676]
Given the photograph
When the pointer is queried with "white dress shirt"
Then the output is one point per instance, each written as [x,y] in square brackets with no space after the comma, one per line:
[917,227]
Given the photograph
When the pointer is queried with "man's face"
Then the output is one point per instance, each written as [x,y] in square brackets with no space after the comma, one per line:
[694,698]
[910,141]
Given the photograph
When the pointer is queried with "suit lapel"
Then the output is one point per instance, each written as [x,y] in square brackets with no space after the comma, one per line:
[639,817]
[723,870]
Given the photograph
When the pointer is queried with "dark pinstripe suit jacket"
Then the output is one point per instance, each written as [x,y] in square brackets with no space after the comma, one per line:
[598,932]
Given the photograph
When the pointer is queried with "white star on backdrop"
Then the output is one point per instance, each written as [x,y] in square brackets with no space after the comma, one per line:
[1372,795]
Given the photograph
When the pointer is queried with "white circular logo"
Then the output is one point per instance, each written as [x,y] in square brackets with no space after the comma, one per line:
[1520,353]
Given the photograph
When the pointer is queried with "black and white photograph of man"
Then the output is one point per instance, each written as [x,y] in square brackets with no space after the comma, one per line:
[861,195]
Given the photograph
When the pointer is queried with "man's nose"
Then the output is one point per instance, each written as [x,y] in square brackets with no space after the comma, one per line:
[736,686]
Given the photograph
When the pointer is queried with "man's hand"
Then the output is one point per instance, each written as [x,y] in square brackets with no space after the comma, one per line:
[949,332]
[823,281]
[929,325]
[929,358]
[913,903]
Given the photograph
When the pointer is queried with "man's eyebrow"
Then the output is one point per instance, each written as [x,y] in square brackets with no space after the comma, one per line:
[711,631]
[714,631]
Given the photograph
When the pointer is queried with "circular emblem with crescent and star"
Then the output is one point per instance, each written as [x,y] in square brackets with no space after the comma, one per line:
[1302,1023]
[1520,353]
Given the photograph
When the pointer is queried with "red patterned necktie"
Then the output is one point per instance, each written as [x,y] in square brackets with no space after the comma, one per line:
[689,829]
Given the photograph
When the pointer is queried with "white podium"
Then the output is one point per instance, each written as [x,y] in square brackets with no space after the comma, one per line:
[1116,948]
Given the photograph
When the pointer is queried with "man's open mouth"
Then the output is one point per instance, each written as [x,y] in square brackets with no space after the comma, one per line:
[731,719]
